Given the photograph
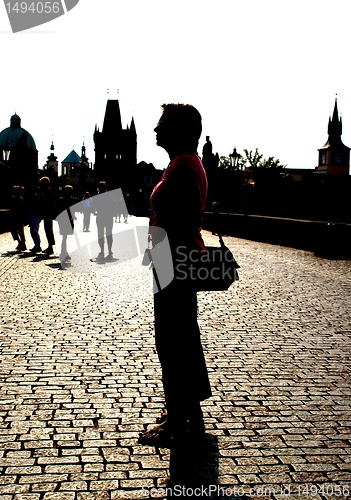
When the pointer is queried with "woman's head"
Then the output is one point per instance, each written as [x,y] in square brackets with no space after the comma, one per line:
[44,182]
[68,190]
[179,127]
[102,187]
[17,190]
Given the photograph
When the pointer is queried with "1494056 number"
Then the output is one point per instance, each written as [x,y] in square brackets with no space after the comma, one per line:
[33,7]
[334,490]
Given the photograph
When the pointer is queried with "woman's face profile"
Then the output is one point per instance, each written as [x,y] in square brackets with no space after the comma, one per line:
[163,132]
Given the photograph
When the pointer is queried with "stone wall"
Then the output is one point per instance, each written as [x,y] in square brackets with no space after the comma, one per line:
[330,240]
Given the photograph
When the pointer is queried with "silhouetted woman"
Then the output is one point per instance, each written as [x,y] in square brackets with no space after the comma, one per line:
[105,209]
[47,208]
[66,217]
[178,203]
[17,217]
[87,207]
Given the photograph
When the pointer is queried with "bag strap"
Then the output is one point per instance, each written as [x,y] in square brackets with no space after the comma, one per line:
[70,217]
[157,281]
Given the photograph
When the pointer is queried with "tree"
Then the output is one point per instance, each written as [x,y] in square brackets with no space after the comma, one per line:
[224,163]
[253,160]
[255,184]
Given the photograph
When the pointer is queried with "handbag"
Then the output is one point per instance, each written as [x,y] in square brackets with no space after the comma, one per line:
[216,268]
[213,269]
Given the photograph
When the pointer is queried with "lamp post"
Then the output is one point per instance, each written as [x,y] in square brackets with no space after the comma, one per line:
[6,155]
[5,171]
[234,158]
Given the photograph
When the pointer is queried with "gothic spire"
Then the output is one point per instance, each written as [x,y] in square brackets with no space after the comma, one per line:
[335,124]
[112,120]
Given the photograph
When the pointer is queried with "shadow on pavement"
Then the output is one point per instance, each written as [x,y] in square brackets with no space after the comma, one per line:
[55,265]
[194,471]
[36,257]
[10,253]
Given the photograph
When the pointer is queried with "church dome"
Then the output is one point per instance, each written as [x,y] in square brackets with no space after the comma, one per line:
[15,135]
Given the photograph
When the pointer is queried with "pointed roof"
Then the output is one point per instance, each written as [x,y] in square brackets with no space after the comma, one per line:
[132,125]
[334,129]
[335,124]
[84,157]
[72,158]
[52,156]
[112,120]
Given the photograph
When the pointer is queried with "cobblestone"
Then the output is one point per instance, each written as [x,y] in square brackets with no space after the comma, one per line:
[79,379]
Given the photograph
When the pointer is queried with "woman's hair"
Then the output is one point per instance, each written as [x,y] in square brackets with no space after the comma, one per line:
[86,195]
[68,190]
[44,181]
[18,190]
[185,121]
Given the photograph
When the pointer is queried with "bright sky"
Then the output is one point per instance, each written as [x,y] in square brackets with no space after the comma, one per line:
[263,73]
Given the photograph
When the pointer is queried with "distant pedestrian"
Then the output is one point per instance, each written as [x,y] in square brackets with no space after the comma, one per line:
[118,215]
[66,217]
[105,209]
[33,211]
[86,208]
[17,217]
[47,204]
[121,209]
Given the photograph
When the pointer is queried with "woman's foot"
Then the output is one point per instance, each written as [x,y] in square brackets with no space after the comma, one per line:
[158,436]
[165,433]
[49,250]
[156,430]
[21,246]
[36,249]
[195,421]
[64,257]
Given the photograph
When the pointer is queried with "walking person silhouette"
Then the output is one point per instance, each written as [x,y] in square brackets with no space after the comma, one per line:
[17,217]
[66,217]
[105,209]
[47,208]
[86,208]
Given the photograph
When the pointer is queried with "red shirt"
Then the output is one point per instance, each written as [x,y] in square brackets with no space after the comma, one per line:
[178,201]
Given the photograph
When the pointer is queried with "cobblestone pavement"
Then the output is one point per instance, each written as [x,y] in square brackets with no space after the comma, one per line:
[80,379]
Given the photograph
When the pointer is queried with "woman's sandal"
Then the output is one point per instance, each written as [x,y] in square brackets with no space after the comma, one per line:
[160,438]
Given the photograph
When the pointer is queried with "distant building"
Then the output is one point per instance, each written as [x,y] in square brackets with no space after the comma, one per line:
[70,162]
[78,172]
[52,163]
[115,150]
[334,156]
[146,178]
[18,154]
[50,169]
